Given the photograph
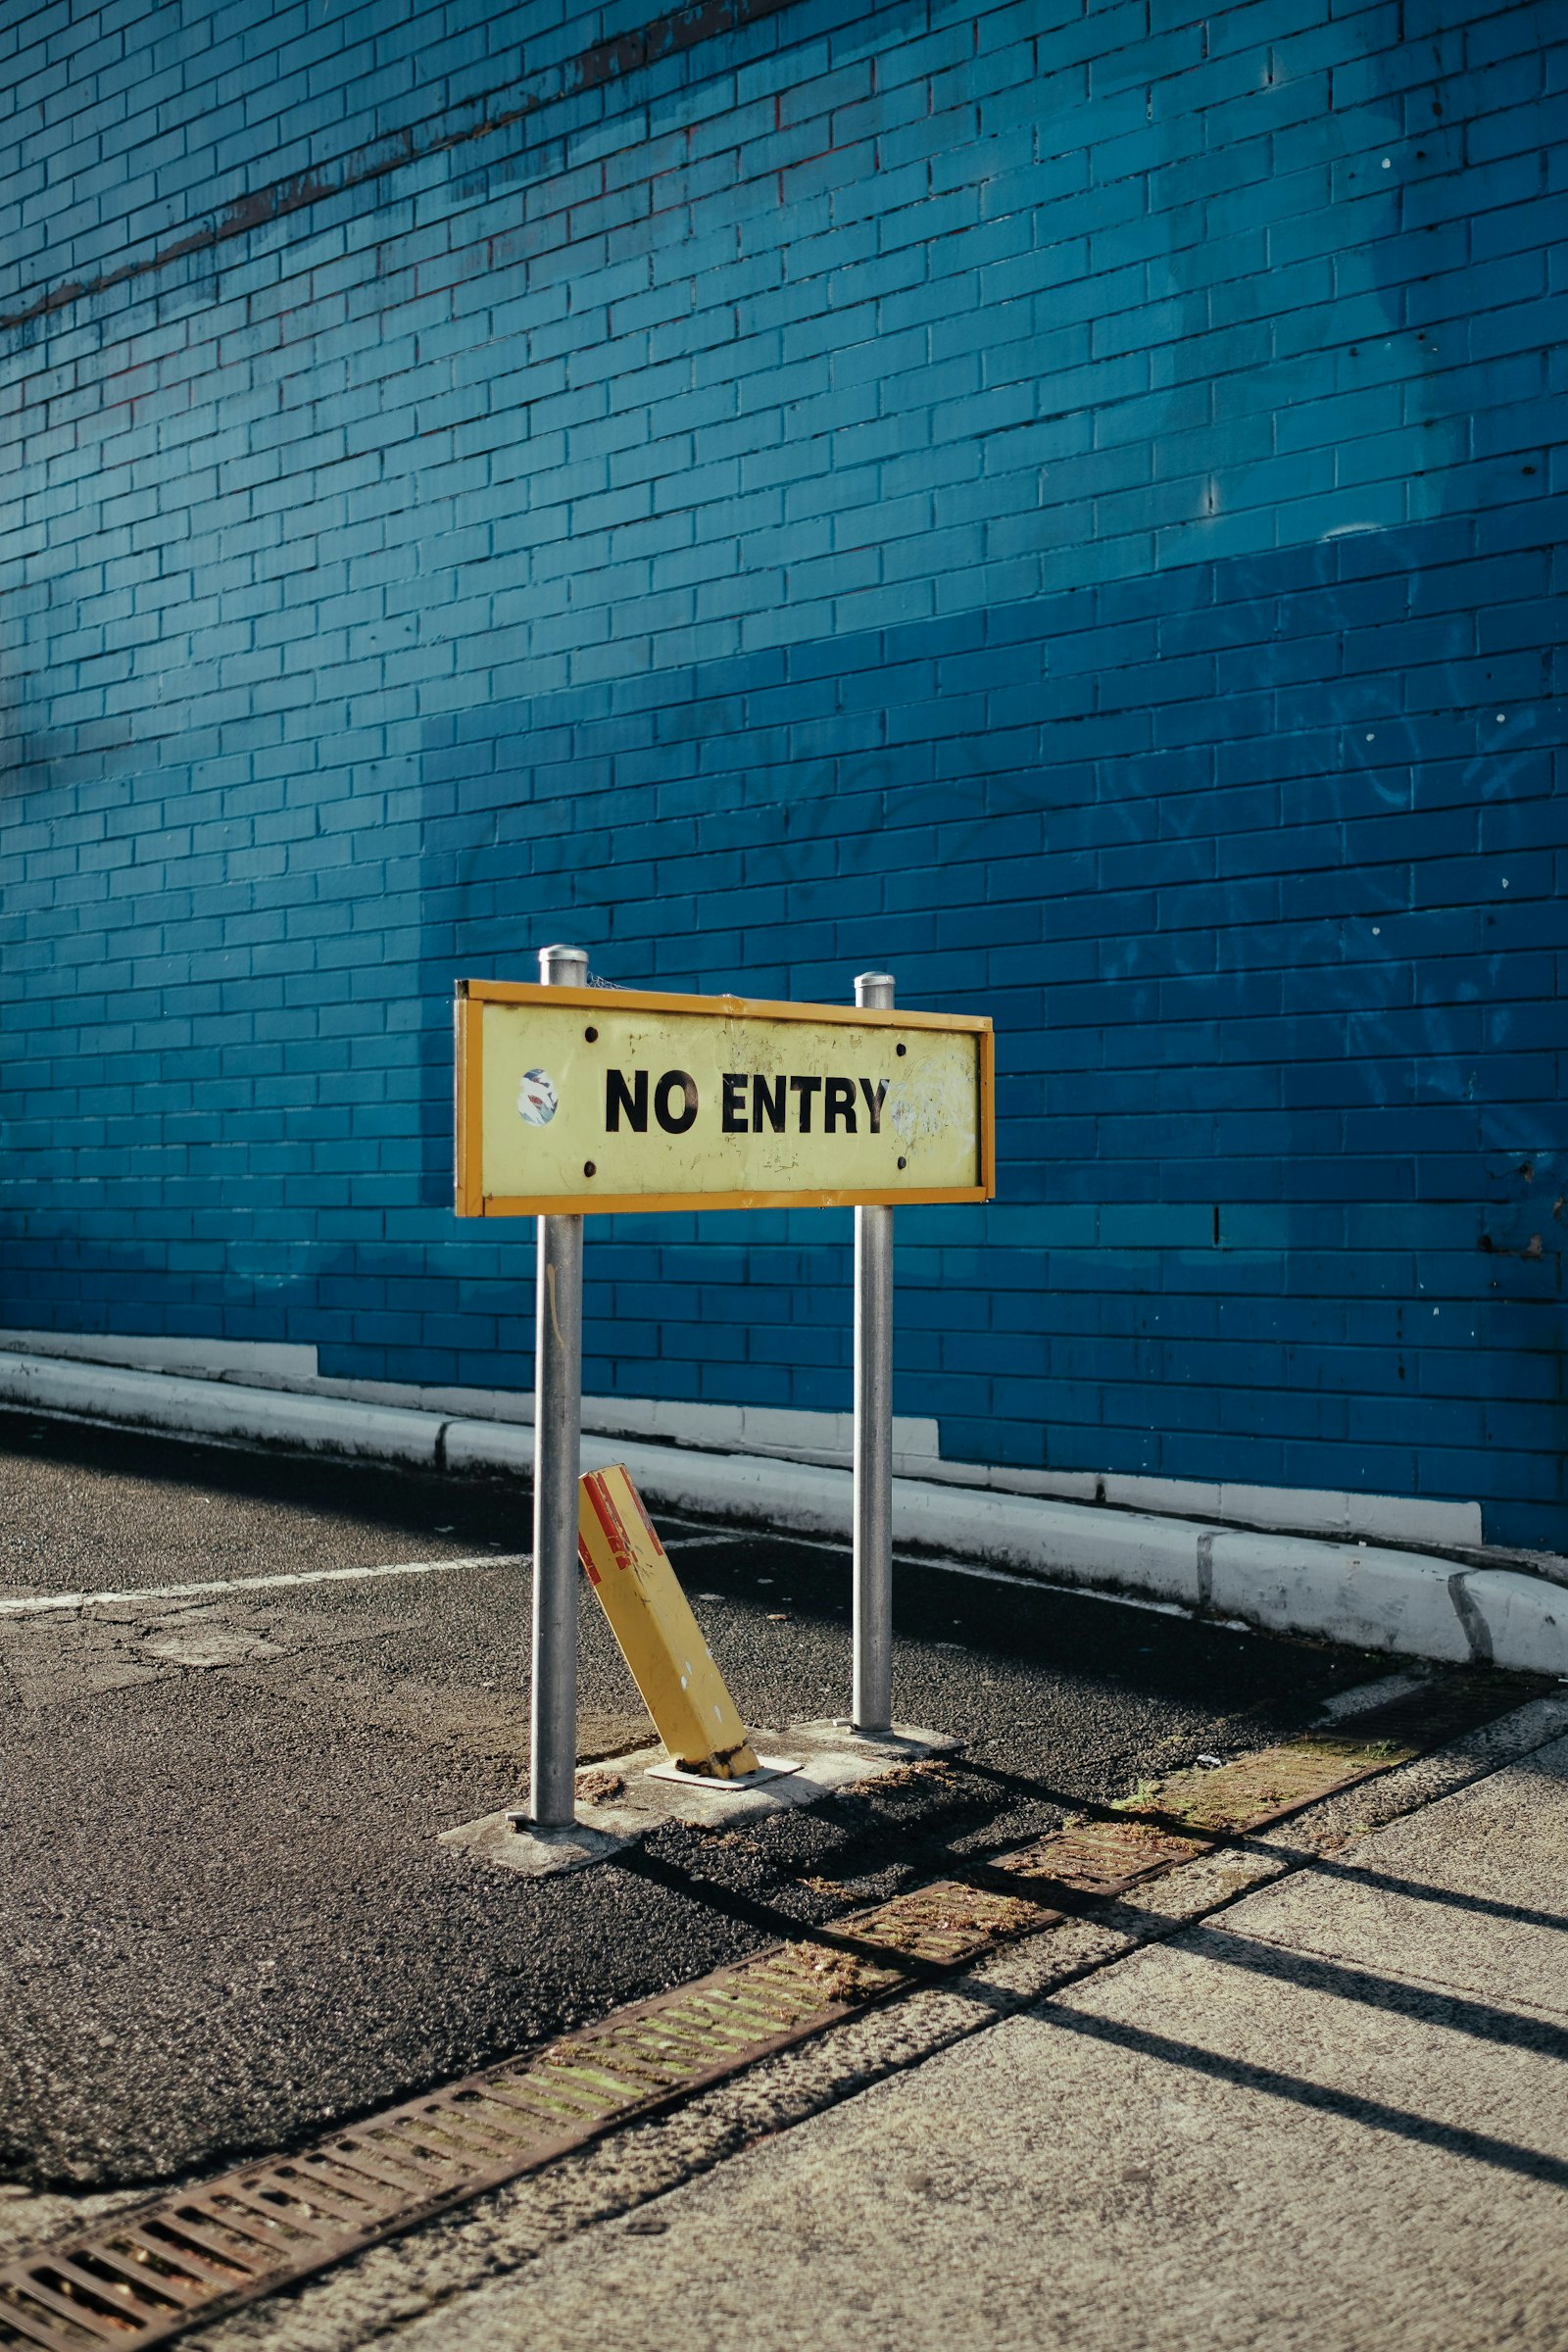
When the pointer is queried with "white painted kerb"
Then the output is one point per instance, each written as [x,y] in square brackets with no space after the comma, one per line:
[1369,1596]
[1407,1521]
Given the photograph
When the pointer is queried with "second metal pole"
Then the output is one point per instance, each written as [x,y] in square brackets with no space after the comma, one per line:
[557,1453]
[873,1442]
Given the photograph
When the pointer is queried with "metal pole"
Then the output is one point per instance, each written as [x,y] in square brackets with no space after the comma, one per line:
[873,1442]
[556,1442]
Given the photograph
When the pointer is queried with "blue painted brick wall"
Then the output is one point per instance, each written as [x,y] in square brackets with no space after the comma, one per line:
[1063,503]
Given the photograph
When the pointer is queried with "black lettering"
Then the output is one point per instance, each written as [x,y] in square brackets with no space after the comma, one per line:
[633,1100]
[732,1107]
[839,1103]
[874,1101]
[673,1083]
[805,1088]
[767,1102]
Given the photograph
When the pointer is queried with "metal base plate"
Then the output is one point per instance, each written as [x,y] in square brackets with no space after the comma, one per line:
[515,1841]
[768,1768]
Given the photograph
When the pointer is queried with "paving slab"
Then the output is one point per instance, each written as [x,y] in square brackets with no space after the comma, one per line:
[1331,2117]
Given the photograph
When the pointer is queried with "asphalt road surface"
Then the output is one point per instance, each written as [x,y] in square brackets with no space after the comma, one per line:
[224,1917]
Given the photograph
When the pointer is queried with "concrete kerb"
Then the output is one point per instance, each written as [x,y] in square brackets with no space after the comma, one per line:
[1370,1596]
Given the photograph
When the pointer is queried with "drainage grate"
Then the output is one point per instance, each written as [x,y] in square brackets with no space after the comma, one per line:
[192,2256]
[196,2255]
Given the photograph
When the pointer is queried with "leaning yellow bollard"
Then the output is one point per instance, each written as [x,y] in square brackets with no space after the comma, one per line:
[660,1639]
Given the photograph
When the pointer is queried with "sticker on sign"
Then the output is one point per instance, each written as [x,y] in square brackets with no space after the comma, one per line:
[572,1100]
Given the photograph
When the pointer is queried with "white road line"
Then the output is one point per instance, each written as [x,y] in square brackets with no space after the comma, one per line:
[1047,1584]
[1362,1698]
[38,1605]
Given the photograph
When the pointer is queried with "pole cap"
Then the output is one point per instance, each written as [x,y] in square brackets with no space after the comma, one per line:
[874,989]
[564,967]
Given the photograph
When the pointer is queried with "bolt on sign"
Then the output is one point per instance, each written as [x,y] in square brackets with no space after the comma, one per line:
[572,1100]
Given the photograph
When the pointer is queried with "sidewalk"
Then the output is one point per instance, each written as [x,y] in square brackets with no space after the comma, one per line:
[1330,2116]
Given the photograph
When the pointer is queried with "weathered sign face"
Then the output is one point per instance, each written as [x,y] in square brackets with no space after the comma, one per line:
[571,1100]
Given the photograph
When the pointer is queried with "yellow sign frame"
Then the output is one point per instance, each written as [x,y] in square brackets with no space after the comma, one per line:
[473,1201]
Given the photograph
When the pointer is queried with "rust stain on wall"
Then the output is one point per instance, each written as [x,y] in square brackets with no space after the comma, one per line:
[592,69]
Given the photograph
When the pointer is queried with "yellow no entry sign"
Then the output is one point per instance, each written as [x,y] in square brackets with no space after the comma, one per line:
[572,1100]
